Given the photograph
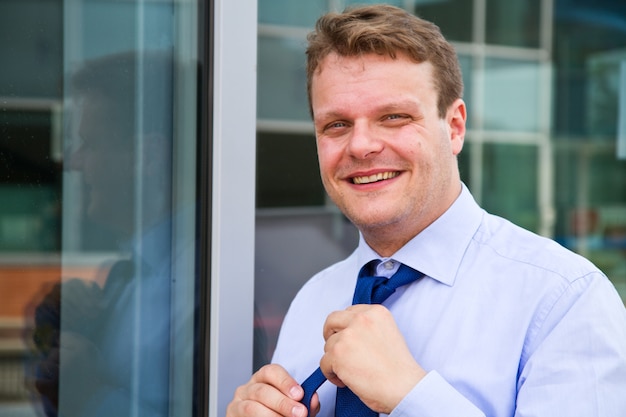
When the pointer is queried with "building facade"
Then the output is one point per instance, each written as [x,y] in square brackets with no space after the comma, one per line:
[161,202]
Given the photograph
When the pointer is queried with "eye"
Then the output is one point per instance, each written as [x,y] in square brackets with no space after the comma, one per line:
[396,116]
[395,119]
[335,126]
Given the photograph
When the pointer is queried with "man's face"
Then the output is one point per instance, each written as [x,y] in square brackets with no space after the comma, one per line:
[105,160]
[386,157]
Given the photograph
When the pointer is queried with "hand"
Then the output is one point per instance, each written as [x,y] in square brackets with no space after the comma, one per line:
[365,351]
[270,392]
[74,344]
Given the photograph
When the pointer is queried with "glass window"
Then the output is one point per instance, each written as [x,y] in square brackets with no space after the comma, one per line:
[510,183]
[513,23]
[281,75]
[589,38]
[98,183]
[288,171]
[452,16]
[590,173]
[466,62]
[31,34]
[291,13]
[605,91]
[512,95]
[291,246]
[348,3]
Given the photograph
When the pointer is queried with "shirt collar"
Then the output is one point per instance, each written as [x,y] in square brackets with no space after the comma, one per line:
[152,249]
[438,250]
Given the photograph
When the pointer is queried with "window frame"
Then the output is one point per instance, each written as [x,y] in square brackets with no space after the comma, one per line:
[230,92]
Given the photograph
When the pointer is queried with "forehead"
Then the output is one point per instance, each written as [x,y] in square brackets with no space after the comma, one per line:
[101,123]
[376,80]
[336,62]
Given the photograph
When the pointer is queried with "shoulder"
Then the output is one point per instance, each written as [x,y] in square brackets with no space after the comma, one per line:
[300,342]
[331,282]
[507,243]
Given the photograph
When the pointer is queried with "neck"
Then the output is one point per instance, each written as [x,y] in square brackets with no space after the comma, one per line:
[387,241]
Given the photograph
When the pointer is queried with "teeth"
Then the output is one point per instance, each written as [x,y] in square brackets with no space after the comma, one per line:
[376,177]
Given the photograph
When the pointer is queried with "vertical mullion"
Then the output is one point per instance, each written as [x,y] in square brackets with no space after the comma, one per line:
[234,27]
[204,123]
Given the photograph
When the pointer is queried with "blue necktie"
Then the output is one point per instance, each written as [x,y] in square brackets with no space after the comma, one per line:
[369,290]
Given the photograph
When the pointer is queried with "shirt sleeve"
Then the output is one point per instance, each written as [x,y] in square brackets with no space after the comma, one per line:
[574,361]
[435,397]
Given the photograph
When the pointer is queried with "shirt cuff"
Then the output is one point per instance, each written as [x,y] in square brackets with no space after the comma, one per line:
[433,396]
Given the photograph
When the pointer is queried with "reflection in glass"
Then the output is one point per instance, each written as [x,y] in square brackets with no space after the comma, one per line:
[605,79]
[512,95]
[510,183]
[398,3]
[282,179]
[93,260]
[466,62]
[290,13]
[513,23]
[590,196]
[291,246]
[281,90]
[108,352]
[590,180]
[589,41]
[452,16]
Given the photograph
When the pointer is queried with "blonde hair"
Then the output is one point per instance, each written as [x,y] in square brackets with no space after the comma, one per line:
[386,30]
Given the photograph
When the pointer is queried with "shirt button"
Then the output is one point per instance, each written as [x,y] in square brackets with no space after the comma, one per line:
[388,265]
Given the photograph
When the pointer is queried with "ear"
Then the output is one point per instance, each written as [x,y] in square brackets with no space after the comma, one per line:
[156,150]
[456,118]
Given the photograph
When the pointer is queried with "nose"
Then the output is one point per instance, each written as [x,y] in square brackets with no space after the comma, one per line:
[75,159]
[364,141]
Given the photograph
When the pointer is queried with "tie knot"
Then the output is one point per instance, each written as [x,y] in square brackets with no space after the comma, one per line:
[372,289]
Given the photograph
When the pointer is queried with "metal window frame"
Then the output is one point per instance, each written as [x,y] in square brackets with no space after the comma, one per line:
[227,155]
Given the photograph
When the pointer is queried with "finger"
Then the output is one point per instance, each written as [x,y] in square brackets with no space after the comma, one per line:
[255,409]
[327,365]
[367,309]
[278,377]
[246,408]
[315,405]
[270,392]
[260,399]
[366,314]
[336,322]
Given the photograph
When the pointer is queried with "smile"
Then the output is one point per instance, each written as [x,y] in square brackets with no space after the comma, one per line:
[381,176]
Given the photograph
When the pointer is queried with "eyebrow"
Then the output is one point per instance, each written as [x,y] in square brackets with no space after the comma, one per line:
[401,104]
[392,106]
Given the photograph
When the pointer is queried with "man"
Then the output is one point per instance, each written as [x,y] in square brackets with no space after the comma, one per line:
[110,354]
[502,323]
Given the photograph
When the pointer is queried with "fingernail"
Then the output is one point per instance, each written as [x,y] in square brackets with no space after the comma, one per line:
[299,411]
[296,392]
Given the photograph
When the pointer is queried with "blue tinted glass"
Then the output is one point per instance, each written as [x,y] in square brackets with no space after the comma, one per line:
[452,16]
[281,89]
[513,22]
[291,13]
[97,239]
[505,191]
[398,3]
[467,71]
[512,95]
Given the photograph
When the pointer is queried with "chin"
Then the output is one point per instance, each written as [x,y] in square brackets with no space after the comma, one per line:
[390,213]
[372,222]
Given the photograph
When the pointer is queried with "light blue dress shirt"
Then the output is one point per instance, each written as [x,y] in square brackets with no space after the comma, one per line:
[505,322]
